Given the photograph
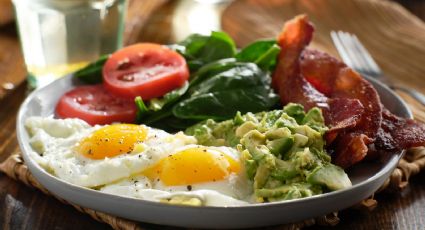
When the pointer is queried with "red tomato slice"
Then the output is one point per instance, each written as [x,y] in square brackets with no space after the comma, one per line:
[147,70]
[95,105]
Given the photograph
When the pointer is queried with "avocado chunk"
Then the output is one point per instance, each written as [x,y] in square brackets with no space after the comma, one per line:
[332,176]
[282,151]
[280,146]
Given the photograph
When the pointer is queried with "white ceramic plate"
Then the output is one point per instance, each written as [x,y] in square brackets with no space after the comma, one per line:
[367,177]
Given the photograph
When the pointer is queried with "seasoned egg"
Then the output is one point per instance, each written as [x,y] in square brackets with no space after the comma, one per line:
[94,156]
[196,167]
[139,161]
[193,174]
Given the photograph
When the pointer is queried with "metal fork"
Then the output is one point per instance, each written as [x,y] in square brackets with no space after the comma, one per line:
[355,55]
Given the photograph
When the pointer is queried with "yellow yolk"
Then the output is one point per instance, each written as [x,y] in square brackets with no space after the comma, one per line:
[111,141]
[191,166]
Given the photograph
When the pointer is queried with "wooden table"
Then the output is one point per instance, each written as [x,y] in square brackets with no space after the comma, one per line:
[25,208]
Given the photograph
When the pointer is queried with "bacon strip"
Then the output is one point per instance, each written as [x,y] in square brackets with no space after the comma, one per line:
[333,78]
[293,87]
[350,105]
[339,81]
[339,113]
[397,133]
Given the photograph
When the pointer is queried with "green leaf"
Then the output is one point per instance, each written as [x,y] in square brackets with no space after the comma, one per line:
[244,88]
[219,46]
[173,124]
[192,45]
[223,105]
[212,69]
[263,53]
[142,110]
[157,104]
[92,73]
[199,50]
[268,60]
[242,75]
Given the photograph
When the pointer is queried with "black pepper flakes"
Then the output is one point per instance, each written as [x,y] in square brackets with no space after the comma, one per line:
[189,188]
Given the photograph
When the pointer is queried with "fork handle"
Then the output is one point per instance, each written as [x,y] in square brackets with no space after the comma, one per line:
[413,93]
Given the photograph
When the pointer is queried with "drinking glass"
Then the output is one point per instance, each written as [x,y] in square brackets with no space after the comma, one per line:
[61,36]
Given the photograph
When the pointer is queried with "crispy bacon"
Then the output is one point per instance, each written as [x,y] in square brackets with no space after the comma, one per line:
[340,81]
[293,87]
[339,113]
[350,105]
[398,133]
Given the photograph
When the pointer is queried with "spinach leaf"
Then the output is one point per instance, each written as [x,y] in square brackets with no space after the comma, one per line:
[219,46]
[244,88]
[158,108]
[142,110]
[173,124]
[212,69]
[92,73]
[222,105]
[268,60]
[192,46]
[262,53]
[244,75]
[199,50]
[170,97]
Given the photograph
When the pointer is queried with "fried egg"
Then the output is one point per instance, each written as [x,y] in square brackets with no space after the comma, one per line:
[212,175]
[139,161]
[94,156]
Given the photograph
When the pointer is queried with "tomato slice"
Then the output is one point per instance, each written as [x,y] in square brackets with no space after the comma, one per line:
[95,105]
[145,69]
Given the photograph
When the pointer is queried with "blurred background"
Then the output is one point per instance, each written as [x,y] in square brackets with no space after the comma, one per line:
[392,30]
[168,21]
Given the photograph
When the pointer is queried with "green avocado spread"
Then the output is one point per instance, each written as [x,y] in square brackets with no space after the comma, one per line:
[282,151]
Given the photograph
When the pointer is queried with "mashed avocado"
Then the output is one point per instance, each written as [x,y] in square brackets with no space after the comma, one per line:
[283,151]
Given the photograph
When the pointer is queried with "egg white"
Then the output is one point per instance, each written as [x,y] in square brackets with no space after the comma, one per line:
[234,190]
[54,139]
[235,185]
[53,142]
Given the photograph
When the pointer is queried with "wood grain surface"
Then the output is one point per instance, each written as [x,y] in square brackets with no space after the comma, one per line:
[25,208]
[6,12]
[12,70]
[393,35]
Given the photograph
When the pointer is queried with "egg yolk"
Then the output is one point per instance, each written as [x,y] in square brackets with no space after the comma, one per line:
[191,166]
[112,140]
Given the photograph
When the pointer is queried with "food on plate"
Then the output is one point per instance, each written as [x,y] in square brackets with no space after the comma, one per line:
[351,106]
[92,156]
[222,81]
[283,151]
[269,156]
[238,147]
[147,70]
[95,105]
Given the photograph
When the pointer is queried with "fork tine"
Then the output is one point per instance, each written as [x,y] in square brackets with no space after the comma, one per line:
[356,50]
[340,48]
[349,47]
[369,61]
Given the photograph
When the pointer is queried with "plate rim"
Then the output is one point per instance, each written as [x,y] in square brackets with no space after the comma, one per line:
[32,165]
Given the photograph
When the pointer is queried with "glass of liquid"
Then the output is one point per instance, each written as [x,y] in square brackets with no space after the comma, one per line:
[61,36]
